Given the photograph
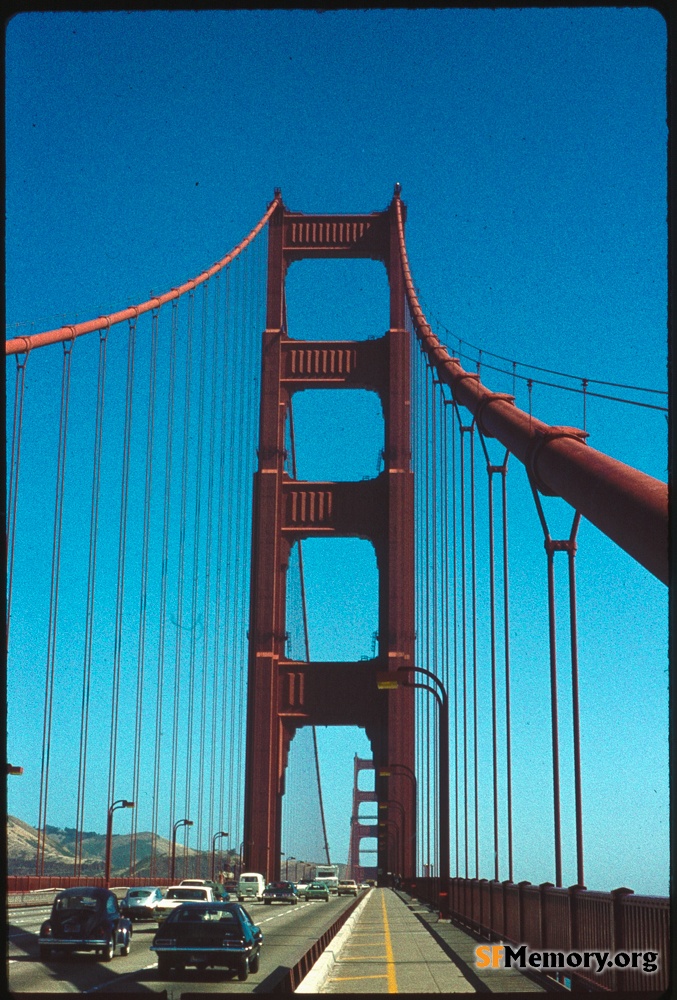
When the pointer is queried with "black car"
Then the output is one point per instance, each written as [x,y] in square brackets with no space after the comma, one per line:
[85,919]
[280,892]
[208,934]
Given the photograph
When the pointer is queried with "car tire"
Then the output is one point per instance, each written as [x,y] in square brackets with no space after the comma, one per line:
[163,965]
[243,968]
[267,902]
[108,953]
[127,945]
[44,951]
[254,962]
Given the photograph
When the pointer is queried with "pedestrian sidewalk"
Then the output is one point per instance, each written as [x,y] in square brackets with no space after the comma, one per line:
[393,943]
[460,946]
[384,948]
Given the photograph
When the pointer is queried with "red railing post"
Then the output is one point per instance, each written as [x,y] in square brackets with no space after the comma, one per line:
[542,919]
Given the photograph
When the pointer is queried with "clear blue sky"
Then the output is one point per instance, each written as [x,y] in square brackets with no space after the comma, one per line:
[531,149]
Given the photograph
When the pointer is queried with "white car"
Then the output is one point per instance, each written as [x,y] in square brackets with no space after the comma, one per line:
[178,894]
[347,887]
[140,902]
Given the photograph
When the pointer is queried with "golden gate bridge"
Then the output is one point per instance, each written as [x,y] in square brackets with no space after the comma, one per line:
[153,513]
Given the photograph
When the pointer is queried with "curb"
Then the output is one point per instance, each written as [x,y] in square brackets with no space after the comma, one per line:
[319,973]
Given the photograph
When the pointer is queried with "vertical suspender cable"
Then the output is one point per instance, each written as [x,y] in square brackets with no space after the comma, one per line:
[578,793]
[235,366]
[181,568]
[225,522]
[464,635]
[122,547]
[208,567]
[245,403]
[89,611]
[12,500]
[143,599]
[192,661]
[506,625]
[306,640]
[474,645]
[434,638]
[159,702]
[53,608]
[455,626]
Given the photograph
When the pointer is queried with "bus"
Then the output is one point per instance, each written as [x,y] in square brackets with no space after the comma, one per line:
[329,875]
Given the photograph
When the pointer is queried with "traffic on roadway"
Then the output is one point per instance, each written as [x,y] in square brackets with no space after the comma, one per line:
[288,930]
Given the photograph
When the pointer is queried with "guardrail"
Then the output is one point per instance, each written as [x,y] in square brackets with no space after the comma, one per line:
[551,919]
[294,976]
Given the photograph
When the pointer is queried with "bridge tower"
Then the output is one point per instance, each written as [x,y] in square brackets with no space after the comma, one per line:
[283,694]
[361,827]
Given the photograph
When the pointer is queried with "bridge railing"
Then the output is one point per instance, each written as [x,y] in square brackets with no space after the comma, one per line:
[549,919]
[35,883]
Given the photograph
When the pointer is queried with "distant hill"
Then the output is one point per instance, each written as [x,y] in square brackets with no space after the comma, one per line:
[22,843]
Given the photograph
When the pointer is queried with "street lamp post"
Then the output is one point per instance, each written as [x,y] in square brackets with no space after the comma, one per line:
[389,679]
[402,770]
[119,804]
[221,833]
[179,823]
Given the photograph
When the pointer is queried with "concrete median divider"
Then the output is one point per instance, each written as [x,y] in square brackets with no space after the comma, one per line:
[313,982]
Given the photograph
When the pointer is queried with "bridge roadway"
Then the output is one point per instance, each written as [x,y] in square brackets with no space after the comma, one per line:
[383,948]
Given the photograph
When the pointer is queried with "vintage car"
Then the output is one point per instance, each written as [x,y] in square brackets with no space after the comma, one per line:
[85,919]
[218,890]
[178,894]
[208,934]
[347,887]
[316,890]
[280,892]
[140,902]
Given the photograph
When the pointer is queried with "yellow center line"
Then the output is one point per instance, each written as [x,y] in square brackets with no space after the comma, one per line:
[390,960]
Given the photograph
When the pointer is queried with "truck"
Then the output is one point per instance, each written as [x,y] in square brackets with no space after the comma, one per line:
[329,875]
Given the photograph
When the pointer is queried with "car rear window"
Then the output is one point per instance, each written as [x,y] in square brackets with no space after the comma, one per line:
[77,903]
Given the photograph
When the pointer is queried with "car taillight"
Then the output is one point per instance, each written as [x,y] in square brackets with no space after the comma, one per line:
[46,930]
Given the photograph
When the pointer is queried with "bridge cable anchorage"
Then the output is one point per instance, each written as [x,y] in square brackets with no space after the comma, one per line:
[17,344]
[628,506]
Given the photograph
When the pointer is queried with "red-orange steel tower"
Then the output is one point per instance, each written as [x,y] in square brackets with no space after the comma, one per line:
[361,828]
[284,695]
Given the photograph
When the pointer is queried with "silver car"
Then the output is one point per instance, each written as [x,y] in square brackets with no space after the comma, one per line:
[140,902]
